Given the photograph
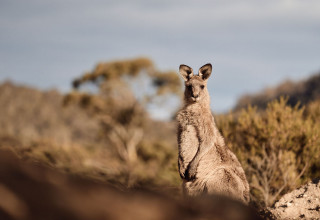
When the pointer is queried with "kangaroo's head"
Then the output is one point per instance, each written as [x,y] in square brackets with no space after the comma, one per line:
[196,85]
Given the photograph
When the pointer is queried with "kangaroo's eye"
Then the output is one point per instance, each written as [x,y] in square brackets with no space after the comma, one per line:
[189,87]
[202,86]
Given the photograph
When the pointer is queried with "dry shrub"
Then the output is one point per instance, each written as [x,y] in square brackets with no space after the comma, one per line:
[279,147]
[29,114]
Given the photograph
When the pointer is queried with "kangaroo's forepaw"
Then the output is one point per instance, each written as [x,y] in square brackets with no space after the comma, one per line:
[182,173]
[191,172]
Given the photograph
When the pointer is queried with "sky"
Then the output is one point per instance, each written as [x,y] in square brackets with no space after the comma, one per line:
[252,44]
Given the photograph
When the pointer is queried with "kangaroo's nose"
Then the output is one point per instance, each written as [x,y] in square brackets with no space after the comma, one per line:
[195,96]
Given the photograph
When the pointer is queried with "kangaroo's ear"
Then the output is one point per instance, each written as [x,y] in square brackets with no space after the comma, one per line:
[186,72]
[205,71]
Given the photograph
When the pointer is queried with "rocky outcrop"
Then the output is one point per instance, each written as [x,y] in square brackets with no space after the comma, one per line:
[302,203]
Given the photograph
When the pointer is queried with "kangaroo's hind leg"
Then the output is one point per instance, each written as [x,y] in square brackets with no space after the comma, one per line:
[227,183]
[194,188]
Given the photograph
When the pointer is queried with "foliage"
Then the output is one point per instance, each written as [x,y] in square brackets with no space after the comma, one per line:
[126,127]
[106,73]
[278,148]
[29,114]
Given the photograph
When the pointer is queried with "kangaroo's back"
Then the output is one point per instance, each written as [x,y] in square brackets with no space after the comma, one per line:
[206,164]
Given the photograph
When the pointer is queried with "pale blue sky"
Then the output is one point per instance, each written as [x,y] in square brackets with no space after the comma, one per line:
[251,44]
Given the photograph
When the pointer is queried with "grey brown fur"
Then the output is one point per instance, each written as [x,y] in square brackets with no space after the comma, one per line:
[206,164]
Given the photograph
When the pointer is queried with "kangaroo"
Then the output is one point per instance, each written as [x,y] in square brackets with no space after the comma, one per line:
[206,164]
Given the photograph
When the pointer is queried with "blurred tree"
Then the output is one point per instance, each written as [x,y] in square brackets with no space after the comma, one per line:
[106,74]
[121,112]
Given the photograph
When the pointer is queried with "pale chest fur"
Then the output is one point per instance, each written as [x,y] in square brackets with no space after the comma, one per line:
[196,126]
[192,128]
[194,116]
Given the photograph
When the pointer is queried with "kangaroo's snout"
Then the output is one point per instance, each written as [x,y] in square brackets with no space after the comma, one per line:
[194,96]
[195,92]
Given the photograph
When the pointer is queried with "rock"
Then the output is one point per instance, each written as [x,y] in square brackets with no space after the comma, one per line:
[302,203]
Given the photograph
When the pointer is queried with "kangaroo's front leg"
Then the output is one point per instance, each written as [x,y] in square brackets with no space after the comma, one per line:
[204,147]
[193,165]
[191,170]
[182,168]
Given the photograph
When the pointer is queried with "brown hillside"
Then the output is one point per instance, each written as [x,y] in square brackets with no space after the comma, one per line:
[301,92]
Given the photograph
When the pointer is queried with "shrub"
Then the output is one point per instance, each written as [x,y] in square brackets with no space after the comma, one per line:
[279,147]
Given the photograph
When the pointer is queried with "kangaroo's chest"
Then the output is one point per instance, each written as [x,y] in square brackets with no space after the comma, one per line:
[193,127]
[189,143]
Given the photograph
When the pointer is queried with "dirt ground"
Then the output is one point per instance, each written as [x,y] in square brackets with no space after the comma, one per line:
[33,191]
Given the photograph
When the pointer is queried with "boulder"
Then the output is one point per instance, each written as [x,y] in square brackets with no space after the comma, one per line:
[302,203]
